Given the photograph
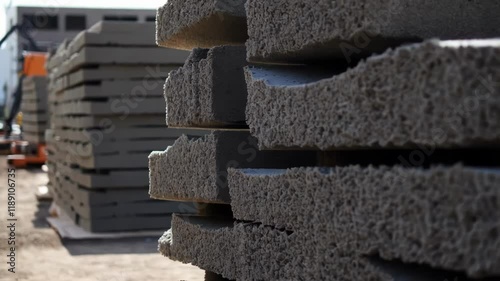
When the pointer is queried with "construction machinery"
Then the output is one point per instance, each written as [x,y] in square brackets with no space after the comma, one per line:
[33,64]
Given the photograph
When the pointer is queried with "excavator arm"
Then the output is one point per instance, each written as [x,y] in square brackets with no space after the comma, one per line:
[22,30]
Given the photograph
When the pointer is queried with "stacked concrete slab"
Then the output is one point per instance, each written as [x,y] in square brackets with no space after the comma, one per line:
[325,77]
[34,108]
[105,96]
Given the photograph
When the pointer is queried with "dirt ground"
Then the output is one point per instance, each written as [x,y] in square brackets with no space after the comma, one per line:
[42,255]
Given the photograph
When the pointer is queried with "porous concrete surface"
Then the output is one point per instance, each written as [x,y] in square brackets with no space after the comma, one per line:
[437,93]
[246,251]
[209,90]
[317,30]
[196,169]
[188,24]
[445,217]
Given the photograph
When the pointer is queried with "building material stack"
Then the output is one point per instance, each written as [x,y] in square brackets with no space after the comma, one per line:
[208,92]
[106,96]
[405,120]
[34,108]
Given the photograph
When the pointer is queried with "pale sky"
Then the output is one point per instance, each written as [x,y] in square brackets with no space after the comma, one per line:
[118,4]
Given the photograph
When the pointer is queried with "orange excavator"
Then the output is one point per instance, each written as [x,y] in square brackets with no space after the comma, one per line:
[33,61]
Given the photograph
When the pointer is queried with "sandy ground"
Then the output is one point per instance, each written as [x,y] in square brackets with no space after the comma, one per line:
[42,255]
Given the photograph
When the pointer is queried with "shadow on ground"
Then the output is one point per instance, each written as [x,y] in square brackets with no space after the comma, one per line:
[112,247]
[41,215]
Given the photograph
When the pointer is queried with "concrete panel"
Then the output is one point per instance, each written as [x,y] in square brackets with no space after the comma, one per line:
[456,210]
[209,90]
[413,95]
[246,251]
[29,117]
[123,55]
[89,197]
[112,106]
[34,138]
[34,128]
[37,107]
[109,72]
[125,223]
[145,87]
[138,223]
[196,169]
[302,30]
[102,148]
[113,179]
[123,160]
[109,33]
[101,136]
[188,24]
[107,122]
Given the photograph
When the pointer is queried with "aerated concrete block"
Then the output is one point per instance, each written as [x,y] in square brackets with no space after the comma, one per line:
[246,251]
[420,94]
[196,169]
[209,90]
[300,30]
[188,24]
[455,228]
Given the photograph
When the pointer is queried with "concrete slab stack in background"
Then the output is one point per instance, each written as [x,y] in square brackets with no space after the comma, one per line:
[34,107]
[106,110]
[392,110]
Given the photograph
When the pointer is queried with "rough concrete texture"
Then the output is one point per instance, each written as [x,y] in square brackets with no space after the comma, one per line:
[317,30]
[438,93]
[456,226]
[246,251]
[196,169]
[188,24]
[209,90]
